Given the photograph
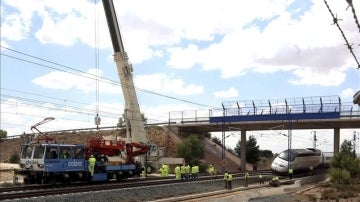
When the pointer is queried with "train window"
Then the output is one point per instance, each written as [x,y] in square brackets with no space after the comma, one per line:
[79,153]
[51,153]
[65,153]
[285,155]
[26,152]
[39,152]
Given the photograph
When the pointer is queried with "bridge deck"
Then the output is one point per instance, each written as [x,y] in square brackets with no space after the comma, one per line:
[304,113]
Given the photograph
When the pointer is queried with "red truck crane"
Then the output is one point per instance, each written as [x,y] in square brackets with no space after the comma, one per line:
[136,142]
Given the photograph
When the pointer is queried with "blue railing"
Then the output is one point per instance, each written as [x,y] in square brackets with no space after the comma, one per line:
[328,107]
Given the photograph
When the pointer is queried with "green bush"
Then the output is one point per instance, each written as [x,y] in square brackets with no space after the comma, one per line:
[15,157]
[340,176]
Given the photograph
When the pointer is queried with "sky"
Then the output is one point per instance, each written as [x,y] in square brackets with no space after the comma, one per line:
[187,56]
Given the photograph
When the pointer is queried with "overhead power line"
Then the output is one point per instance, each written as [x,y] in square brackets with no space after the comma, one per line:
[93,76]
[335,22]
[354,13]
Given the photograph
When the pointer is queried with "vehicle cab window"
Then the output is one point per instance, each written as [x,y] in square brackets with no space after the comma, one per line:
[26,152]
[65,153]
[39,152]
[51,153]
[79,152]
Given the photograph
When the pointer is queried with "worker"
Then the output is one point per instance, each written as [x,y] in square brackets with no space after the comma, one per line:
[187,172]
[246,179]
[53,154]
[193,172]
[226,175]
[64,155]
[164,171]
[261,179]
[177,172]
[311,170]
[229,181]
[211,170]
[274,181]
[196,171]
[92,161]
[182,172]
[143,172]
[291,172]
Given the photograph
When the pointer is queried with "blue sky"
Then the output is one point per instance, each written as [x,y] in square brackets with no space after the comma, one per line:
[204,52]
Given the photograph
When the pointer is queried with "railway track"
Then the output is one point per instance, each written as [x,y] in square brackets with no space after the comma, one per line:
[28,192]
[20,192]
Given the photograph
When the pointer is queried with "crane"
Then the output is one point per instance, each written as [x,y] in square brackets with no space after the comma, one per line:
[135,129]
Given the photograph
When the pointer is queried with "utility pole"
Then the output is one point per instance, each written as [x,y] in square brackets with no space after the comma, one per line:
[314,139]
[289,143]
[354,141]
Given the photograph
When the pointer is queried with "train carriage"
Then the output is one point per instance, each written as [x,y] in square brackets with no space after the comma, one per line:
[51,163]
[298,159]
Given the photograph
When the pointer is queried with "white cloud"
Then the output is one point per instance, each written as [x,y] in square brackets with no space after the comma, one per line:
[162,83]
[307,76]
[4,44]
[183,58]
[284,44]
[347,93]
[20,115]
[84,82]
[231,92]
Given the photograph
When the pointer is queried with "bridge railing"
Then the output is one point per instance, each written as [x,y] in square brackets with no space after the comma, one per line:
[348,110]
[308,105]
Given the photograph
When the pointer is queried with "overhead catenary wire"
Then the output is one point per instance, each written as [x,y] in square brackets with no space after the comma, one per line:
[47,105]
[92,76]
[354,13]
[335,21]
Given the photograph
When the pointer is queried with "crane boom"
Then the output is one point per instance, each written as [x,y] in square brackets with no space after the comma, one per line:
[135,130]
[113,26]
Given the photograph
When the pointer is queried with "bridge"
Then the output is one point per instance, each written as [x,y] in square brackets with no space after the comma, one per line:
[326,112]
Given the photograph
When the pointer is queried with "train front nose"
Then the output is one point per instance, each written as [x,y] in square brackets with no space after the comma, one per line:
[274,166]
[279,165]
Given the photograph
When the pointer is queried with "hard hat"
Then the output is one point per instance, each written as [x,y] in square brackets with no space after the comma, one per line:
[92,155]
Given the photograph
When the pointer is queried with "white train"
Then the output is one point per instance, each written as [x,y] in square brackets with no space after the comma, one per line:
[326,158]
[300,160]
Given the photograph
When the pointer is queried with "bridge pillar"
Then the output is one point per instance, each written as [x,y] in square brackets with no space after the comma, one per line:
[243,150]
[336,140]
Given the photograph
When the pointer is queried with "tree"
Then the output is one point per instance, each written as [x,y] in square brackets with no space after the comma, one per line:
[266,153]
[252,150]
[15,157]
[3,134]
[121,123]
[192,149]
[216,140]
[345,165]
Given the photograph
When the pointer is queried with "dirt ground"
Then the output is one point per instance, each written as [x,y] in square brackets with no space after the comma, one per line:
[6,172]
[320,192]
